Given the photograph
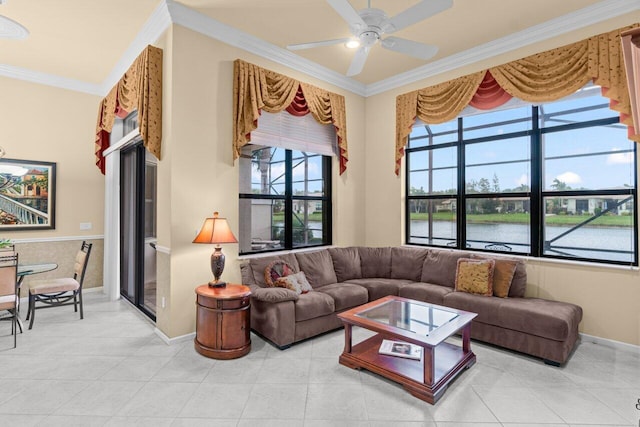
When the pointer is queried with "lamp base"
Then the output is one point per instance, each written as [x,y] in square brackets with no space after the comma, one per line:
[219,284]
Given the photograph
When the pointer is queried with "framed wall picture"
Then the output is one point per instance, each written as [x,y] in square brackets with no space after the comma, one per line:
[27,195]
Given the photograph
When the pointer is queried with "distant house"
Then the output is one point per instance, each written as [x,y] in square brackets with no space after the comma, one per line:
[583,205]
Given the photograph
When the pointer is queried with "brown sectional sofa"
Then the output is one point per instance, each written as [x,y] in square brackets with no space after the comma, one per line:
[343,278]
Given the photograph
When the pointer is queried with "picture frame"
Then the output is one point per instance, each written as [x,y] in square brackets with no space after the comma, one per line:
[27,195]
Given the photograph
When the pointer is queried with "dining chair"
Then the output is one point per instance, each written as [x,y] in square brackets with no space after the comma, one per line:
[63,291]
[8,290]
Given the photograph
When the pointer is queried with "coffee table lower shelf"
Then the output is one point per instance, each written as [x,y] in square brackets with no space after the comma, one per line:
[448,361]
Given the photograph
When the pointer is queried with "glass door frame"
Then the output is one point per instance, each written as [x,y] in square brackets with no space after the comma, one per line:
[139,219]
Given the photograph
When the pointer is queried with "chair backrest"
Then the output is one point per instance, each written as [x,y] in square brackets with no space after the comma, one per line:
[8,273]
[81,261]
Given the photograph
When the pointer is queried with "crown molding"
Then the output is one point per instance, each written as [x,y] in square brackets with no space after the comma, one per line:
[31,76]
[151,31]
[214,29]
[561,25]
[169,12]
[157,23]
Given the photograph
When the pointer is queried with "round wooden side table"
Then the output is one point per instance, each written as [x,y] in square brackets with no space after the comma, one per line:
[223,321]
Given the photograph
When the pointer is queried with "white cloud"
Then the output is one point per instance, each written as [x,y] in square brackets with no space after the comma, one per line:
[523,180]
[569,178]
[619,158]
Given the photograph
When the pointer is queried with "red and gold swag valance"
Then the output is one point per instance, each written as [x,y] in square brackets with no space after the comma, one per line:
[256,89]
[543,77]
[140,88]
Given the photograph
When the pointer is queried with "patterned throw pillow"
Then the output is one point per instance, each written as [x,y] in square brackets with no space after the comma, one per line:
[475,276]
[276,270]
[296,282]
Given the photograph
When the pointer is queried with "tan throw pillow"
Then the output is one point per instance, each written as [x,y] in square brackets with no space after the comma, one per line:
[502,276]
[475,276]
[296,282]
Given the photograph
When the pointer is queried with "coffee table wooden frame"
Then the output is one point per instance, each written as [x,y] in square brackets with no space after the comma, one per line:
[427,379]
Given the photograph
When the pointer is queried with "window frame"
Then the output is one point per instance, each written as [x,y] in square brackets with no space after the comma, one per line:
[288,199]
[536,194]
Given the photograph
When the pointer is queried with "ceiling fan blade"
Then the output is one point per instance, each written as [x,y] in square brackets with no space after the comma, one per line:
[348,13]
[416,13]
[409,47]
[317,44]
[358,61]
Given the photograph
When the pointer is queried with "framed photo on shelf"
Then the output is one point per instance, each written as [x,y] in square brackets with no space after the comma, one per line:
[27,195]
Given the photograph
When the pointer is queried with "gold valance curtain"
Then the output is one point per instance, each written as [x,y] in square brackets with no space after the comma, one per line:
[256,88]
[543,77]
[140,88]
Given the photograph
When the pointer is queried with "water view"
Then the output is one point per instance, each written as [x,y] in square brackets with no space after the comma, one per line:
[594,242]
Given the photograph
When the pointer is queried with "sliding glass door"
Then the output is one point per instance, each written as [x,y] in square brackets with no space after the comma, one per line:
[138,173]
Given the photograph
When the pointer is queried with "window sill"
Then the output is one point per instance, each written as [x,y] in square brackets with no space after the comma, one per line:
[542,261]
[282,252]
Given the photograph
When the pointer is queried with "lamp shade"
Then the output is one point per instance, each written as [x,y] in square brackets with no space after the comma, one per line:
[215,230]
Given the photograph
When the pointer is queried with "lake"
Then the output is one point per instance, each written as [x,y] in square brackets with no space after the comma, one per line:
[517,237]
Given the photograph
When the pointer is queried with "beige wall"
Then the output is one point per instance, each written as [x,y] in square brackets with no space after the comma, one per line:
[203,177]
[610,297]
[44,123]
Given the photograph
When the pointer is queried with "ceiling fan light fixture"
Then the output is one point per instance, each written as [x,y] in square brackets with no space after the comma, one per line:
[10,29]
[352,44]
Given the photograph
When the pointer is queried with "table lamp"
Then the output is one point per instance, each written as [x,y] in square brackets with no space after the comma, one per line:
[216,230]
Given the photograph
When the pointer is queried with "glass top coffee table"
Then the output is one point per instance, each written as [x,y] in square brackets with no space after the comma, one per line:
[425,325]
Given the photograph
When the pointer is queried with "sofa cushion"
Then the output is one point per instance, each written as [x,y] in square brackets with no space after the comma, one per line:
[312,305]
[475,276]
[273,295]
[296,282]
[375,262]
[425,292]
[406,263]
[548,319]
[258,266]
[379,288]
[487,308]
[440,266]
[345,295]
[346,263]
[318,267]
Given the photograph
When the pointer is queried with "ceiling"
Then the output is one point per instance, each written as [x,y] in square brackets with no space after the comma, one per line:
[84,40]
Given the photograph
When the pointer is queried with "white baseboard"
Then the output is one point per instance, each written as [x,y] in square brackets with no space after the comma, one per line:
[618,345]
[174,340]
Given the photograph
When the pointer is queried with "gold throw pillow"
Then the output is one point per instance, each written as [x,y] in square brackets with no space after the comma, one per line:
[475,276]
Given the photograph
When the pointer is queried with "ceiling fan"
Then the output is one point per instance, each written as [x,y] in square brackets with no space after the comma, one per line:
[369,25]
[10,29]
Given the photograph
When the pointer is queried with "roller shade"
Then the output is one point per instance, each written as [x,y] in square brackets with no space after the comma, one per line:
[301,133]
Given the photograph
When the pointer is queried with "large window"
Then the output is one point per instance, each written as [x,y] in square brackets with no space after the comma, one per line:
[285,199]
[553,180]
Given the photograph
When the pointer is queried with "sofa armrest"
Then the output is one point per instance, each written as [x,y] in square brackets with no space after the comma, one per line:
[273,295]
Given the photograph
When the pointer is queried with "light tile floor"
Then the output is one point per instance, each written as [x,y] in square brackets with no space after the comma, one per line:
[110,369]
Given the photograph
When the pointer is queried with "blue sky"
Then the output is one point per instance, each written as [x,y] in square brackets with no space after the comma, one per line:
[611,169]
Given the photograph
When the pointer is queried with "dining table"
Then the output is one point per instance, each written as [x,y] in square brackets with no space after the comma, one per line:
[25,270]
